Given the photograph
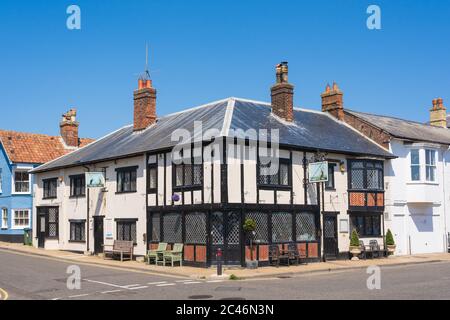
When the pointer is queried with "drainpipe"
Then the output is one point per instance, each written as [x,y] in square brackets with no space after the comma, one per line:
[87,215]
[445,199]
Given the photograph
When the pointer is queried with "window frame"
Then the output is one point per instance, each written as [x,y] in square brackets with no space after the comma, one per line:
[415,165]
[150,168]
[271,186]
[365,217]
[13,178]
[365,170]
[331,171]
[4,218]
[45,185]
[430,166]
[74,223]
[74,188]
[128,222]
[187,187]
[14,226]
[120,184]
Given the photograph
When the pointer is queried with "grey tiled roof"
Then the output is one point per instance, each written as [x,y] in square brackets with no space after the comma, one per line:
[405,129]
[311,130]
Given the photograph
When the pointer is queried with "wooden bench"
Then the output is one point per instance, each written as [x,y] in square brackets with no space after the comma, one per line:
[124,249]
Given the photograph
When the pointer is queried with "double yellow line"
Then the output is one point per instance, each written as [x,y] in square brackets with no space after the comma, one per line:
[3,294]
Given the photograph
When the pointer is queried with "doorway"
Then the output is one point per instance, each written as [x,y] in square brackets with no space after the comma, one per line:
[330,237]
[41,227]
[98,235]
[226,235]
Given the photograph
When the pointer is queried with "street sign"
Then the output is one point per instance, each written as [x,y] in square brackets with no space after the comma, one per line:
[318,172]
[95,179]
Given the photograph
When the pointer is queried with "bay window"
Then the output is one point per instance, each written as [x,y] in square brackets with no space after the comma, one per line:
[415,165]
[430,165]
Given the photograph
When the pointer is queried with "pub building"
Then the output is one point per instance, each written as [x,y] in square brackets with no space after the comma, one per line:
[204,200]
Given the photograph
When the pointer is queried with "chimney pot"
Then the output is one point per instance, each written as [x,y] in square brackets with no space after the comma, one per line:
[282,94]
[438,114]
[144,105]
[333,101]
[69,128]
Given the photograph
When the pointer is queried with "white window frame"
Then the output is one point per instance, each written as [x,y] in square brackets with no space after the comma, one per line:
[430,165]
[4,217]
[21,169]
[411,165]
[13,219]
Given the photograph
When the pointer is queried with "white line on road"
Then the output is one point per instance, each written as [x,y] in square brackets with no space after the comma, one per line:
[105,283]
[138,288]
[161,282]
[130,286]
[214,281]
[79,295]
[166,285]
[111,291]
[180,281]
[193,282]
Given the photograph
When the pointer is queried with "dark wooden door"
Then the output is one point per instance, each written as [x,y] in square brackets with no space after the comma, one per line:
[330,237]
[98,235]
[225,234]
[41,229]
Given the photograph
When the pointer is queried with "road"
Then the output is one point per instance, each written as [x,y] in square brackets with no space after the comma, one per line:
[40,278]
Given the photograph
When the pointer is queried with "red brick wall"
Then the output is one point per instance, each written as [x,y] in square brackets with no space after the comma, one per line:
[69,133]
[283,101]
[370,131]
[144,108]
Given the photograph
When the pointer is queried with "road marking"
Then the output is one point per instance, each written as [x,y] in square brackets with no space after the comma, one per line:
[130,286]
[3,294]
[193,282]
[181,281]
[166,285]
[111,291]
[79,296]
[214,281]
[138,288]
[161,282]
[105,283]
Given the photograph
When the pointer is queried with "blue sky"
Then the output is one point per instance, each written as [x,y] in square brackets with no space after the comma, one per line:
[208,50]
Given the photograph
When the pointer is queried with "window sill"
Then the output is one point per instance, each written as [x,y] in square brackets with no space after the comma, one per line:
[125,192]
[21,193]
[280,188]
[76,241]
[51,198]
[189,188]
[430,183]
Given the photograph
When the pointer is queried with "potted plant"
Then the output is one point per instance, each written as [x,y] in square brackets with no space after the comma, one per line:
[249,229]
[355,249]
[390,243]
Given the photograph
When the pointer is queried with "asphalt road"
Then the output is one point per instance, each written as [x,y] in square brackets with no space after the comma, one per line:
[39,278]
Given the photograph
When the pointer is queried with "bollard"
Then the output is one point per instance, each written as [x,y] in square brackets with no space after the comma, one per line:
[219,261]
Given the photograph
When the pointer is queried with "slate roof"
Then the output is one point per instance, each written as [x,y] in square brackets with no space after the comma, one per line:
[311,130]
[34,148]
[405,129]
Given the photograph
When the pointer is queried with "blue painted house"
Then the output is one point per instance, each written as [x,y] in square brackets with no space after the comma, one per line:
[19,153]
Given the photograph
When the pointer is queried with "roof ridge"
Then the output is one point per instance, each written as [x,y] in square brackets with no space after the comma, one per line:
[209,104]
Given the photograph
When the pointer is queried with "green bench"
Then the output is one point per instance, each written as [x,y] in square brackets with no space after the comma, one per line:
[157,255]
[173,256]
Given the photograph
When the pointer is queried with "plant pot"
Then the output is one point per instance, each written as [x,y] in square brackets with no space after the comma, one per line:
[391,249]
[355,251]
[251,264]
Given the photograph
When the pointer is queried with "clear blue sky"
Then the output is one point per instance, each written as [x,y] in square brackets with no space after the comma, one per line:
[207,50]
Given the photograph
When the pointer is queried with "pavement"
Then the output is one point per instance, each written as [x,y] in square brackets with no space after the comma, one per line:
[240,273]
[32,277]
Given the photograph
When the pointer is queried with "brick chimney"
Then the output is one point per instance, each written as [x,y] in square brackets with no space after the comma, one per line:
[438,114]
[144,105]
[283,94]
[69,128]
[333,101]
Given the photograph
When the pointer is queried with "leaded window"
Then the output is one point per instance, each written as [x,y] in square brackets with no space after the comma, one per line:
[306,226]
[126,230]
[172,228]
[156,227]
[50,188]
[78,186]
[366,225]
[281,227]
[78,231]
[366,175]
[53,221]
[126,180]
[275,175]
[261,232]
[195,224]
[188,176]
